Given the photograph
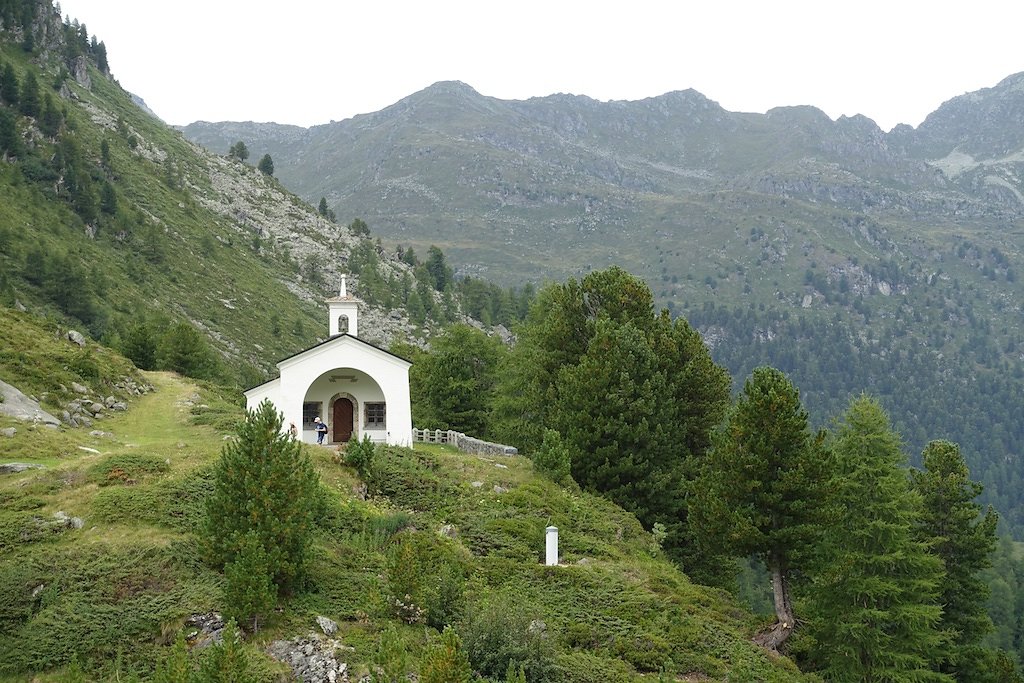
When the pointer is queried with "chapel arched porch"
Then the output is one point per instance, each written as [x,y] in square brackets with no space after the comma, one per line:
[350,402]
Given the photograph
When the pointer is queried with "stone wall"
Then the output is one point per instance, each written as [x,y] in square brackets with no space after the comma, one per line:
[466,444]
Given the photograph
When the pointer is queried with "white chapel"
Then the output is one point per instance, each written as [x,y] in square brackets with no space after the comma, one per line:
[357,388]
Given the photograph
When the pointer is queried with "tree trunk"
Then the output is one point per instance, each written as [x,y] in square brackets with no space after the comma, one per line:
[780,632]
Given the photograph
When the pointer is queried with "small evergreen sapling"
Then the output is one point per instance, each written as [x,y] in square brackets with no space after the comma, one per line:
[263,483]
[445,660]
[175,667]
[552,459]
[359,454]
[514,675]
[391,660]
[227,661]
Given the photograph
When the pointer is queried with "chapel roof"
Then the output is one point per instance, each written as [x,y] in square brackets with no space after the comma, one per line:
[328,341]
[338,336]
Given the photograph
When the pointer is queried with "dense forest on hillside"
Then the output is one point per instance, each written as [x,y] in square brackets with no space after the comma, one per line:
[600,389]
[959,396]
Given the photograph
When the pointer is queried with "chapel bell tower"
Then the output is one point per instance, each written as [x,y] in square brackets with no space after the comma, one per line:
[344,312]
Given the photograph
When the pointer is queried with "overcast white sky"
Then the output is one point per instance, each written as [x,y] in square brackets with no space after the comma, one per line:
[308,62]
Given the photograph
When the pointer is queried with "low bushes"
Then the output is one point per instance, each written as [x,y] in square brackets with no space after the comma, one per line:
[126,468]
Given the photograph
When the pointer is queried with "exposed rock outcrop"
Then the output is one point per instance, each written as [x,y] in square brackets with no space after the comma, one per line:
[21,407]
[313,659]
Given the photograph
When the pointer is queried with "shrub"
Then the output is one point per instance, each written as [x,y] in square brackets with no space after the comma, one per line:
[84,365]
[176,504]
[359,454]
[552,459]
[404,583]
[502,632]
[410,480]
[126,468]
[378,530]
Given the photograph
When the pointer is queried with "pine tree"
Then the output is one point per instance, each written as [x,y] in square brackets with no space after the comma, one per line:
[455,382]
[51,118]
[514,675]
[266,165]
[874,598]
[108,199]
[417,313]
[175,667]
[100,52]
[239,151]
[265,483]
[29,98]
[763,490]
[138,343]
[250,592]
[227,661]
[391,658]
[359,228]
[964,539]
[556,334]
[552,459]
[10,140]
[437,267]
[10,87]
[445,660]
[183,349]
[613,417]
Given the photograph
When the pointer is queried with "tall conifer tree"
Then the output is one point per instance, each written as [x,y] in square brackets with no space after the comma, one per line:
[875,597]
[29,98]
[613,416]
[764,487]
[10,87]
[964,539]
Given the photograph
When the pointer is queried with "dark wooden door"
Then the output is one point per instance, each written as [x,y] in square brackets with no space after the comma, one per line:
[342,420]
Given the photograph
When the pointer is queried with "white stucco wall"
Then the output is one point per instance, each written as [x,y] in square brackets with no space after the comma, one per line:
[307,377]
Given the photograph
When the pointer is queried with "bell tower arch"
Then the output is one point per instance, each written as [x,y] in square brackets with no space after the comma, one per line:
[344,312]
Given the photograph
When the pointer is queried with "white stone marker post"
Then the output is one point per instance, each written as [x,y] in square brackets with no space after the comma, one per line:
[552,546]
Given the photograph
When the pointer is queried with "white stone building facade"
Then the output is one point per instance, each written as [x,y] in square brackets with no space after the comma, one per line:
[357,388]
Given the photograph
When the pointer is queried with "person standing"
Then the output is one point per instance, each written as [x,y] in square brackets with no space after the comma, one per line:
[321,430]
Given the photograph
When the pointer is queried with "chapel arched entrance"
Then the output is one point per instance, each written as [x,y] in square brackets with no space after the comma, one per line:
[343,413]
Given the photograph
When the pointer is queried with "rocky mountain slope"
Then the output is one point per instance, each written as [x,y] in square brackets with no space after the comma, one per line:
[110,218]
[499,182]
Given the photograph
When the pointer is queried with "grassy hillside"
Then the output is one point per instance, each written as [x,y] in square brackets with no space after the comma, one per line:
[107,598]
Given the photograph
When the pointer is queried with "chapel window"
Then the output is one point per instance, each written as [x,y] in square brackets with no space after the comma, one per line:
[376,415]
[309,411]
